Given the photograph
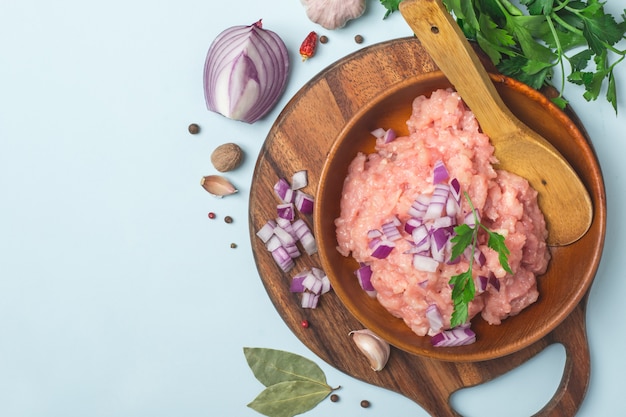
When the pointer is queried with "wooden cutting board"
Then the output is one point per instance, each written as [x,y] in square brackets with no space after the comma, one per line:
[289,148]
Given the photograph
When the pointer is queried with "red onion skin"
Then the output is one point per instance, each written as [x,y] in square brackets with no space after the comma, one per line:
[245,72]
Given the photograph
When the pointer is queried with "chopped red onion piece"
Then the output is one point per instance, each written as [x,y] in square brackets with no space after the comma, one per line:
[312,283]
[452,207]
[318,273]
[286,211]
[326,286]
[455,189]
[285,237]
[373,243]
[425,263]
[437,202]
[286,225]
[283,190]
[419,207]
[440,172]
[296,283]
[444,221]
[483,281]
[378,133]
[389,136]
[299,180]
[479,257]
[309,300]
[292,250]
[435,319]
[459,336]
[282,258]
[267,231]
[304,235]
[471,218]
[374,233]
[383,248]
[364,276]
[391,232]
[494,282]
[411,224]
[440,237]
[304,202]
[273,243]
[421,235]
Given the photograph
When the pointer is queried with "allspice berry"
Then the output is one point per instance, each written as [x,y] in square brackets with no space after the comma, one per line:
[227,157]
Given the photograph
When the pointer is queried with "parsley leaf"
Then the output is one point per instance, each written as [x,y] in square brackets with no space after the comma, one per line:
[463,289]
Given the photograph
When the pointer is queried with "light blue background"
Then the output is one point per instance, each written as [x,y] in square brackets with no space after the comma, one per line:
[118,296]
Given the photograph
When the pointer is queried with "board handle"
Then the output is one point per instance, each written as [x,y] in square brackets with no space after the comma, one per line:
[567,399]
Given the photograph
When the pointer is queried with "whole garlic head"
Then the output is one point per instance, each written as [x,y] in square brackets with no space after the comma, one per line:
[333,14]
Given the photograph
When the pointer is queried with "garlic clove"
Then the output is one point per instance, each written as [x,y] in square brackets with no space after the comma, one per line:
[217,185]
[375,349]
[333,14]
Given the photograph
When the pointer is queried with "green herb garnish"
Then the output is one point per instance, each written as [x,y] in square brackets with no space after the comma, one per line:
[529,45]
[463,289]
[294,384]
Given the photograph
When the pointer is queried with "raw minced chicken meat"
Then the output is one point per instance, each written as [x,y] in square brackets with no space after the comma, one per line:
[383,185]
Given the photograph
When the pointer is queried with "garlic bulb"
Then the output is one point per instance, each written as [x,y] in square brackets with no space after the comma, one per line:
[333,14]
[375,349]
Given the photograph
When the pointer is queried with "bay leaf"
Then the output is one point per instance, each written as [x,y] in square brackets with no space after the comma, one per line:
[289,398]
[271,366]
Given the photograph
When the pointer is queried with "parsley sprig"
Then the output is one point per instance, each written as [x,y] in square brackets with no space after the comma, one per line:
[463,289]
[549,34]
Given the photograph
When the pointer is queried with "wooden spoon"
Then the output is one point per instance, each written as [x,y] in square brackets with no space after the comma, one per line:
[563,198]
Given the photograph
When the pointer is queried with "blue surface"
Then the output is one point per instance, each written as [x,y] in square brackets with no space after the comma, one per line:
[118,296]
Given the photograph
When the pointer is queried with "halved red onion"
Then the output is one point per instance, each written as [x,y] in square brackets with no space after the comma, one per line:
[245,72]
[459,336]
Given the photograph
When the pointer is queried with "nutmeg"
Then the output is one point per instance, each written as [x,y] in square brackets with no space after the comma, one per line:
[227,157]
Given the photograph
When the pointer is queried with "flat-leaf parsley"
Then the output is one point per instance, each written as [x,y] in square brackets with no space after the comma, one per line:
[463,289]
[529,45]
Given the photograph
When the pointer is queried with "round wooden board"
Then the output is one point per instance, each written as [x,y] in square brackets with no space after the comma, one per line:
[319,110]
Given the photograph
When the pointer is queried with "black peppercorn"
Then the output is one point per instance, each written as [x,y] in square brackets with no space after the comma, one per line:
[334,398]
[365,403]
[323,39]
[193,128]
[228,219]
[358,39]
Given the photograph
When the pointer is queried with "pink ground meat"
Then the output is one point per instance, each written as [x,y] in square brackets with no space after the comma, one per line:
[384,184]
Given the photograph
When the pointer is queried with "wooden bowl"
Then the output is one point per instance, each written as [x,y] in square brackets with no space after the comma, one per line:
[561,288]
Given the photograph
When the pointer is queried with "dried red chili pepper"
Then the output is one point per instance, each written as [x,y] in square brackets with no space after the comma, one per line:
[307,49]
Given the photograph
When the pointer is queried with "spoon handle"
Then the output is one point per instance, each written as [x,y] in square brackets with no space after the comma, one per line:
[443,39]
